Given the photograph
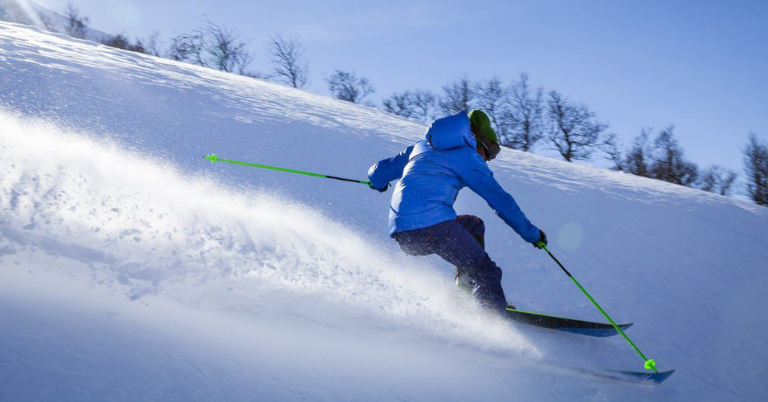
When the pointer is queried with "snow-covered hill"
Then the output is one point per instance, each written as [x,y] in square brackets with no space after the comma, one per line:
[132,269]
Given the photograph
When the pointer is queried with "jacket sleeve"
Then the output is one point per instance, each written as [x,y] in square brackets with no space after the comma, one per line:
[478,177]
[386,170]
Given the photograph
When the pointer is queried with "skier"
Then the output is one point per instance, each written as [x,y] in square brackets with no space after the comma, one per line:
[421,216]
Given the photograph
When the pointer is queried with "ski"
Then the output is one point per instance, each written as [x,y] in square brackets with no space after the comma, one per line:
[588,328]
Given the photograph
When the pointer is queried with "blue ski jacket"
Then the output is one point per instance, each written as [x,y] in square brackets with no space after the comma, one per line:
[434,170]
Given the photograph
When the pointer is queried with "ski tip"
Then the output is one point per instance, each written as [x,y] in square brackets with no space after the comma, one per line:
[211,157]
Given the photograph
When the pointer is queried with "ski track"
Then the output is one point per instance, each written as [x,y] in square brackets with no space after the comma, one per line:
[132,269]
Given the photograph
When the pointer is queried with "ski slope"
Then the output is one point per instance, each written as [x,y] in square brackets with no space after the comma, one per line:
[133,269]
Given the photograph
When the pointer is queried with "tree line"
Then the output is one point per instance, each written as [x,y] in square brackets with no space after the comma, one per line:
[524,116]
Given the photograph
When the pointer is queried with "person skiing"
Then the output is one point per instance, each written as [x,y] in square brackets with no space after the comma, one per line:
[431,173]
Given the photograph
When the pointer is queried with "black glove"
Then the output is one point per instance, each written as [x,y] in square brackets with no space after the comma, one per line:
[542,239]
[381,190]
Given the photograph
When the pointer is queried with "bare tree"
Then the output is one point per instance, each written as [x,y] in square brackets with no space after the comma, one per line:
[718,180]
[457,96]
[400,104]
[574,132]
[612,149]
[121,41]
[287,60]
[668,162]
[153,44]
[226,50]
[417,105]
[212,46]
[756,169]
[425,103]
[491,97]
[188,48]
[638,159]
[76,24]
[524,116]
[347,86]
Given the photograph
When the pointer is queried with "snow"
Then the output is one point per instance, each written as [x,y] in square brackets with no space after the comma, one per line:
[133,269]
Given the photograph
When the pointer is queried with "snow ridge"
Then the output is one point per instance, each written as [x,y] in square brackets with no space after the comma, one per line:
[143,229]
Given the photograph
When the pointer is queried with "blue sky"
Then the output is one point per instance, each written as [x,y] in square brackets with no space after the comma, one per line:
[700,65]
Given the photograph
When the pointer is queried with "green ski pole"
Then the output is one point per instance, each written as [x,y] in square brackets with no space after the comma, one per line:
[649,363]
[213,158]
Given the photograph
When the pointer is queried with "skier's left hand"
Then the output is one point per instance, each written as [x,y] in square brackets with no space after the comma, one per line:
[381,190]
[542,242]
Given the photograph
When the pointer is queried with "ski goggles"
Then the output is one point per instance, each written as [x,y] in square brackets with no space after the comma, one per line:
[492,149]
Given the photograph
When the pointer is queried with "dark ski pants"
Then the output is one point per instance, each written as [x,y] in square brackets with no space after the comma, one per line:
[460,242]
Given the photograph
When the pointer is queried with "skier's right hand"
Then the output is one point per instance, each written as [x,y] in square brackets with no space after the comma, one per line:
[381,190]
[542,242]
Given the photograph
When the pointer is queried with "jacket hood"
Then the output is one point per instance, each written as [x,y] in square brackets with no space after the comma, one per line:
[451,132]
